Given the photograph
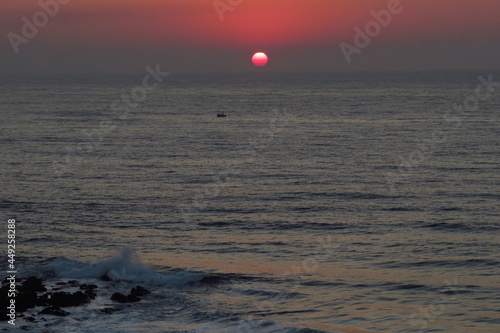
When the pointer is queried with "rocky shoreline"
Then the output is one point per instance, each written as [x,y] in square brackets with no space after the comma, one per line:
[35,292]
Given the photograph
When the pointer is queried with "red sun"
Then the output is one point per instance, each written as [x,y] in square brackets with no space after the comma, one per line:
[260,59]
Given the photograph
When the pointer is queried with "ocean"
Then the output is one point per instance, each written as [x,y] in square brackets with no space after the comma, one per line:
[333,202]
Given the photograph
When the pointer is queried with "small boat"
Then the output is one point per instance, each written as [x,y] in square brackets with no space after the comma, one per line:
[221,115]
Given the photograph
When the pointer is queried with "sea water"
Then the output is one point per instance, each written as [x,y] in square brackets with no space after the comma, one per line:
[327,202]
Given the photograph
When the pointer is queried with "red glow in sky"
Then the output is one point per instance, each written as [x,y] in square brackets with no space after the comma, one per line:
[251,23]
[190,33]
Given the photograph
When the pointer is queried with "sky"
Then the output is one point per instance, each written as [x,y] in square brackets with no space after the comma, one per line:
[124,36]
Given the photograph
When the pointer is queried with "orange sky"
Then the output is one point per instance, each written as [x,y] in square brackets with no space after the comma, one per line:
[188,27]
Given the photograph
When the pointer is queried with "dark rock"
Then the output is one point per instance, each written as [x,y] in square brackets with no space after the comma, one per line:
[73,283]
[90,293]
[4,315]
[26,300]
[118,297]
[54,310]
[132,298]
[32,284]
[80,298]
[30,319]
[62,298]
[44,300]
[4,291]
[88,286]
[26,295]
[139,291]
[105,277]
[59,298]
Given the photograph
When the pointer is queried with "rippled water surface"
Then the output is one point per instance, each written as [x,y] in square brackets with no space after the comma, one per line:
[321,203]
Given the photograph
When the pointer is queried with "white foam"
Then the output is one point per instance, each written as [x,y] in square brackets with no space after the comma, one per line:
[124,267]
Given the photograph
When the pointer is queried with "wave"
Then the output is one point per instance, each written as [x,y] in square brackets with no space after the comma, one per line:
[124,267]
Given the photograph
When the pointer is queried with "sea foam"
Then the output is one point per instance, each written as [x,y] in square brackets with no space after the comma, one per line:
[124,267]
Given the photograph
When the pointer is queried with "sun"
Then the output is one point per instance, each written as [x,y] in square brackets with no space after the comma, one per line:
[260,59]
